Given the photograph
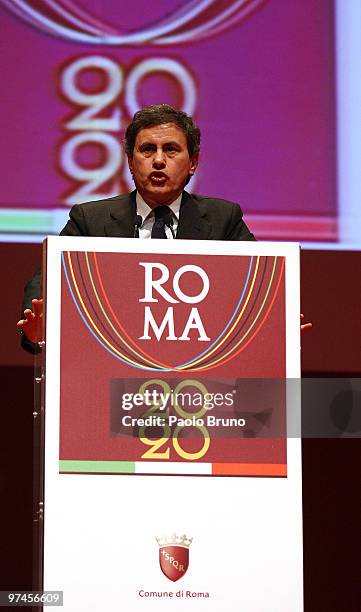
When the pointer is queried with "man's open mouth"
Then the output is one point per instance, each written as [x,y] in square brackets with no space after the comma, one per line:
[158,177]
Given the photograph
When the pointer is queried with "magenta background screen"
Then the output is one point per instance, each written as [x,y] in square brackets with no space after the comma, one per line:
[258,79]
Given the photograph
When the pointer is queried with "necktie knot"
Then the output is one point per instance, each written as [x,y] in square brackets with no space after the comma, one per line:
[158,229]
[160,212]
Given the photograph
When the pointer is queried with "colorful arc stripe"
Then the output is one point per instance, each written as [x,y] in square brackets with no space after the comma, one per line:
[90,297]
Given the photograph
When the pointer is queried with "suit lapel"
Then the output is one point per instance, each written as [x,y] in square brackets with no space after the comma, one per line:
[122,216]
[192,225]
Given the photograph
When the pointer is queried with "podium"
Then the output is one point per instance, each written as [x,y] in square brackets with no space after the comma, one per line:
[171,465]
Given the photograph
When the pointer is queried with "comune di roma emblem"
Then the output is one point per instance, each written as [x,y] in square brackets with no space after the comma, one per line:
[174,555]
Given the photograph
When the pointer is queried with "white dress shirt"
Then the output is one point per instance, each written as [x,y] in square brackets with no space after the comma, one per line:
[147,215]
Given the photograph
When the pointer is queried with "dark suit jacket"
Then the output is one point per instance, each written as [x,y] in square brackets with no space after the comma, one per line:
[200,218]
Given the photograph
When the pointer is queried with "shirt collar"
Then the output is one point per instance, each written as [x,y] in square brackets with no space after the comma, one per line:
[145,211]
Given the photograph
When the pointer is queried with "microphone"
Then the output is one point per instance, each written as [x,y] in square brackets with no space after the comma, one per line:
[168,220]
[137,224]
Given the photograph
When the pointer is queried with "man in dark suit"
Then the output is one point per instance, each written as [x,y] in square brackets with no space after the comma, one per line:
[162,146]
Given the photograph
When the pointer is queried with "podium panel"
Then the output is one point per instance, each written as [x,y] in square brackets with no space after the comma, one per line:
[171,478]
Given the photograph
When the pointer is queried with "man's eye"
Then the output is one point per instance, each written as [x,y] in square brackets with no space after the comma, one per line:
[170,149]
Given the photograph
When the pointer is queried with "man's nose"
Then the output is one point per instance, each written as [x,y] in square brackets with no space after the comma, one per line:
[159,159]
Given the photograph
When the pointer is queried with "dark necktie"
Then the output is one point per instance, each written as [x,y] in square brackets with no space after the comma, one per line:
[158,229]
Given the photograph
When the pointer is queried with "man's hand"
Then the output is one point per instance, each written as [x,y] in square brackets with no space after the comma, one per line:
[32,324]
[304,326]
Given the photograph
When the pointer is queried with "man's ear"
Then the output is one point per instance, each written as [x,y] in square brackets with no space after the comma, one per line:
[194,163]
[130,163]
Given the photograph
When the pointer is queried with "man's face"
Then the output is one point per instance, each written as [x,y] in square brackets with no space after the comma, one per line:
[161,164]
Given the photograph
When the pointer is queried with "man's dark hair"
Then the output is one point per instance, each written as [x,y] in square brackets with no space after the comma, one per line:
[157,115]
